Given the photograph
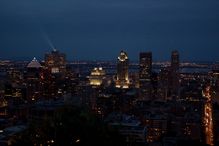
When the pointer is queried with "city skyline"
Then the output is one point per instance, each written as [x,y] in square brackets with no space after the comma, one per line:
[139,100]
[109,72]
[102,28]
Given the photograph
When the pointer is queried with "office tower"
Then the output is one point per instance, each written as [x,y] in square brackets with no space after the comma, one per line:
[145,72]
[122,80]
[96,77]
[174,73]
[145,66]
[33,80]
[55,62]
[175,61]
[162,91]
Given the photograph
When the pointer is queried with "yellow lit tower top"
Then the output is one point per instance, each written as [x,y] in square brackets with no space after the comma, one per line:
[122,80]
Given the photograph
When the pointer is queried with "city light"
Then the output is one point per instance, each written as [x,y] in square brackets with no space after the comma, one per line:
[140,104]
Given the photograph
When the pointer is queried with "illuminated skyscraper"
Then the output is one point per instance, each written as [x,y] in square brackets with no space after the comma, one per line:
[174,73]
[55,62]
[96,77]
[122,80]
[96,81]
[145,71]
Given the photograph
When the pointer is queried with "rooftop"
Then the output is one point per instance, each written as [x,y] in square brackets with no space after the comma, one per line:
[34,64]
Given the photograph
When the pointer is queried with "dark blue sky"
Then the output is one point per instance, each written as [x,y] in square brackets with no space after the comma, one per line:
[98,29]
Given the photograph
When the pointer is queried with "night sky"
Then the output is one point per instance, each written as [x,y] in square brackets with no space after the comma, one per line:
[98,29]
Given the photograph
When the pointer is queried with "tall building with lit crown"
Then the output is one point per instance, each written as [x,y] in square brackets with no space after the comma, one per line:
[122,80]
[145,72]
[55,62]
[174,73]
[96,79]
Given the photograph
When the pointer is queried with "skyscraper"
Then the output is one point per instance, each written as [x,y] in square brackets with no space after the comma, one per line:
[96,77]
[174,73]
[175,60]
[33,80]
[54,74]
[145,72]
[122,80]
[162,90]
[55,62]
[145,66]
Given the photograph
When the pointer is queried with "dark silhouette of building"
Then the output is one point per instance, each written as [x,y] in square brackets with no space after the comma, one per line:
[174,73]
[34,69]
[162,90]
[56,62]
[145,72]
